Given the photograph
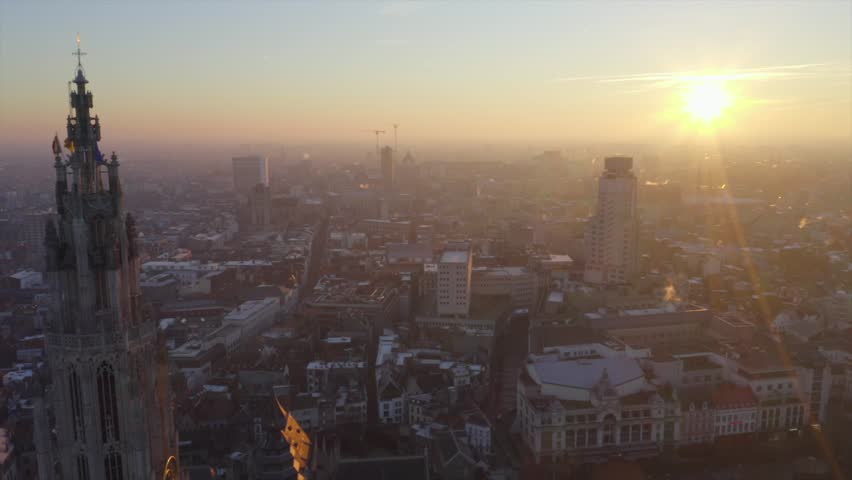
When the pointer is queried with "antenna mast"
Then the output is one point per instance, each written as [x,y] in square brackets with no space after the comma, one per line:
[395,125]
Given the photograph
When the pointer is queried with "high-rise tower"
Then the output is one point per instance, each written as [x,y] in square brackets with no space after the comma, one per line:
[612,233]
[387,168]
[109,386]
[249,172]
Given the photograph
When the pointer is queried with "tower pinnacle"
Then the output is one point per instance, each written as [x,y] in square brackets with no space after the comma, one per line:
[80,78]
[79,53]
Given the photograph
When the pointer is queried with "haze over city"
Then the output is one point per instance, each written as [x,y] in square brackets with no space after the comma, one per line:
[231,73]
[256,240]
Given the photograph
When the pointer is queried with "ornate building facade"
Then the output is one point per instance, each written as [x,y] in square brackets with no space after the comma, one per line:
[574,409]
[108,394]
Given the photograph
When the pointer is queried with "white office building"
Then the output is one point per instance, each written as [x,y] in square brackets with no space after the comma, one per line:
[454,276]
[612,232]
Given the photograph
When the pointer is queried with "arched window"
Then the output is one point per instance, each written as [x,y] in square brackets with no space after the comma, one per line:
[77,419]
[112,466]
[108,403]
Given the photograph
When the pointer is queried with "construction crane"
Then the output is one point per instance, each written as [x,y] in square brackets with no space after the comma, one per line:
[377,132]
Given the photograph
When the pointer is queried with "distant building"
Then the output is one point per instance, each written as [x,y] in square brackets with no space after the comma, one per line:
[387,167]
[249,172]
[478,430]
[23,280]
[377,226]
[517,283]
[32,235]
[194,359]
[612,232]
[254,316]
[259,201]
[320,374]
[652,327]
[391,404]
[454,280]
[408,253]
[160,288]
[347,305]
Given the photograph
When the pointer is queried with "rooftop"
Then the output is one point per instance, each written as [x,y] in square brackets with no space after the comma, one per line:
[409,468]
[332,290]
[501,271]
[700,362]
[249,309]
[730,395]
[455,256]
[585,373]
[321,365]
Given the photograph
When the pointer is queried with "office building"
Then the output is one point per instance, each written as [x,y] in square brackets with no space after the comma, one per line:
[454,277]
[249,172]
[611,234]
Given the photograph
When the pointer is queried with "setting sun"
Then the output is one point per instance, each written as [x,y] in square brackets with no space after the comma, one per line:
[706,100]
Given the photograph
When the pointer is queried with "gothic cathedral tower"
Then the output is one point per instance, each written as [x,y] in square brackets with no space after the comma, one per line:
[109,386]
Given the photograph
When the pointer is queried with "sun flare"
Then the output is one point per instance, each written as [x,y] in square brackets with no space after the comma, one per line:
[706,100]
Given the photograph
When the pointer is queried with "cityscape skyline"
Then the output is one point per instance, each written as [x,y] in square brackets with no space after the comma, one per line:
[546,72]
[295,254]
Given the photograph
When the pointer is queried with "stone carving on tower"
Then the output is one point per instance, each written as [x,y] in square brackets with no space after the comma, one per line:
[109,391]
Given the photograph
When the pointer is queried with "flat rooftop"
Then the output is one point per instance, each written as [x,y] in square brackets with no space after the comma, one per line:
[700,362]
[455,256]
[584,373]
[503,272]
[331,290]
[250,308]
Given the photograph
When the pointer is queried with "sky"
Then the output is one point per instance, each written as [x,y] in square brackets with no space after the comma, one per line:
[214,73]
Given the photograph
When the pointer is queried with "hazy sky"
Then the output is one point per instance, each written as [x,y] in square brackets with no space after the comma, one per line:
[230,72]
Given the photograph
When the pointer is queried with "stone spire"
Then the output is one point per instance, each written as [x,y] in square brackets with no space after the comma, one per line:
[109,375]
[83,132]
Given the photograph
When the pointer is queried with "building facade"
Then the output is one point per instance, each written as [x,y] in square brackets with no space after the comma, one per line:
[454,279]
[110,391]
[590,408]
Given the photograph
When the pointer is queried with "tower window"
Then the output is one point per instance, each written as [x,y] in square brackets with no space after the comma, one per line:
[112,466]
[78,425]
[108,403]
[82,467]
[101,290]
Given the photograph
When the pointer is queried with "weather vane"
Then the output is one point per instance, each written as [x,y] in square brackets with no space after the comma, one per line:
[78,53]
